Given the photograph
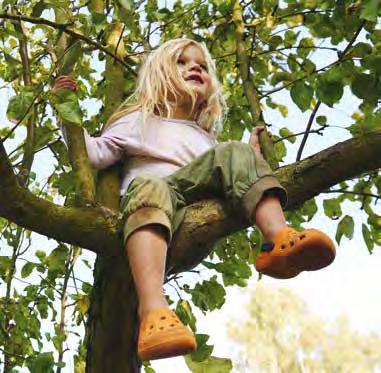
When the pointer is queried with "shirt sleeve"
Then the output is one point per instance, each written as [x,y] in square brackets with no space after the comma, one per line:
[113,144]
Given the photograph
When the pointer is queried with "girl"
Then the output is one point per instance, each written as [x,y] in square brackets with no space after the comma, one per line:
[166,138]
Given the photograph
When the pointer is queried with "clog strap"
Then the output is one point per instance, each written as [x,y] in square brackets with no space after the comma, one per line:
[159,319]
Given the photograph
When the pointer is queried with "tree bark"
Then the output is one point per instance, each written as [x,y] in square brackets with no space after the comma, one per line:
[98,228]
[112,327]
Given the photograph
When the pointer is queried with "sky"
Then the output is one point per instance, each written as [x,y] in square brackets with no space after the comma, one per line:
[350,286]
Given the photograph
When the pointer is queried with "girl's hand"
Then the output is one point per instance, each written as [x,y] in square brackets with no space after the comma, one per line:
[254,138]
[65,82]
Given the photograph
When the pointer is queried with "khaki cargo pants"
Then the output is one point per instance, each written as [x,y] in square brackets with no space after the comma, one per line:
[231,171]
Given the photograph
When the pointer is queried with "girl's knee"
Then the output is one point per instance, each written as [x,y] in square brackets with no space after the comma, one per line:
[151,181]
[232,148]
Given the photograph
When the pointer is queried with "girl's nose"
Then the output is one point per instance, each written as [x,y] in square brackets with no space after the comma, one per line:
[196,67]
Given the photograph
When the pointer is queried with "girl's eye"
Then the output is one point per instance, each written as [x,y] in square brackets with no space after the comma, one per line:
[180,61]
[204,67]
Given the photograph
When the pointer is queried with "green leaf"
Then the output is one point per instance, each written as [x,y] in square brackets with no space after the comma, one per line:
[305,47]
[208,295]
[126,4]
[83,303]
[5,264]
[332,208]
[184,312]
[280,149]
[27,269]
[40,254]
[329,90]
[42,363]
[367,238]
[346,228]
[370,123]
[370,10]
[292,63]
[290,38]
[280,76]
[211,365]
[19,105]
[302,94]
[360,50]
[99,21]
[285,132]
[309,209]
[322,120]
[70,111]
[67,104]
[38,9]
[147,367]
[275,41]
[235,271]
[374,220]
[203,349]
[364,86]
[56,260]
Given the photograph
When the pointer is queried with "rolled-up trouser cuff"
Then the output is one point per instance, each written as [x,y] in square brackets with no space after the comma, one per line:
[266,184]
[145,216]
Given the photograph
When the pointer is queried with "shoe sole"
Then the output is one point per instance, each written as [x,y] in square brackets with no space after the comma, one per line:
[174,345]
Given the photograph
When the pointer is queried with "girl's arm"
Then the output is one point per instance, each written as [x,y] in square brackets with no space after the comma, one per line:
[102,151]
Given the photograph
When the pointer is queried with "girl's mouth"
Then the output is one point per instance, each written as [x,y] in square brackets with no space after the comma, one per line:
[195,78]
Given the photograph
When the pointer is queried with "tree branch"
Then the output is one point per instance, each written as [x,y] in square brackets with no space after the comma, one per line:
[308,130]
[363,194]
[64,27]
[84,181]
[318,131]
[316,108]
[100,229]
[249,87]
[30,141]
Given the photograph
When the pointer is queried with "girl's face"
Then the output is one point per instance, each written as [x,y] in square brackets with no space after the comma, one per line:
[193,69]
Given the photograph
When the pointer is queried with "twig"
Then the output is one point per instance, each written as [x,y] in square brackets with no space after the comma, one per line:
[174,287]
[2,140]
[268,93]
[318,131]
[120,38]
[173,19]
[353,192]
[316,108]
[277,50]
[307,132]
[48,145]
[64,28]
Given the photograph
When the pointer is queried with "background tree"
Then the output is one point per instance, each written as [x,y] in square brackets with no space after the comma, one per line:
[260,48]
[290,339]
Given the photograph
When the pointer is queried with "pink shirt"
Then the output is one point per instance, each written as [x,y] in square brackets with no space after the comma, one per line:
[165,146]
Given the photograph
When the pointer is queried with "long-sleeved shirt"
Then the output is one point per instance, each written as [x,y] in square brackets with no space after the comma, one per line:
[164,146]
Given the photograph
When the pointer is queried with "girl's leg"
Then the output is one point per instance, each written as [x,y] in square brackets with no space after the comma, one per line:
[269,217]
[146,249]
[235,172]
[150,206]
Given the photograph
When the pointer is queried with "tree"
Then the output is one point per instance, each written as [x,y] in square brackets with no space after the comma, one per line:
[280,335]
[260,48]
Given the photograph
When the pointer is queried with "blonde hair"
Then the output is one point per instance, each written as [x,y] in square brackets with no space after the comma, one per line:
[159,79]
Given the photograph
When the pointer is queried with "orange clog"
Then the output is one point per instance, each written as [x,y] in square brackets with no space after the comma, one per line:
[163,335]
[293,252]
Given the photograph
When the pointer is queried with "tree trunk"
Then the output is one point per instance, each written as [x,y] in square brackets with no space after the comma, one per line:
[112,323]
